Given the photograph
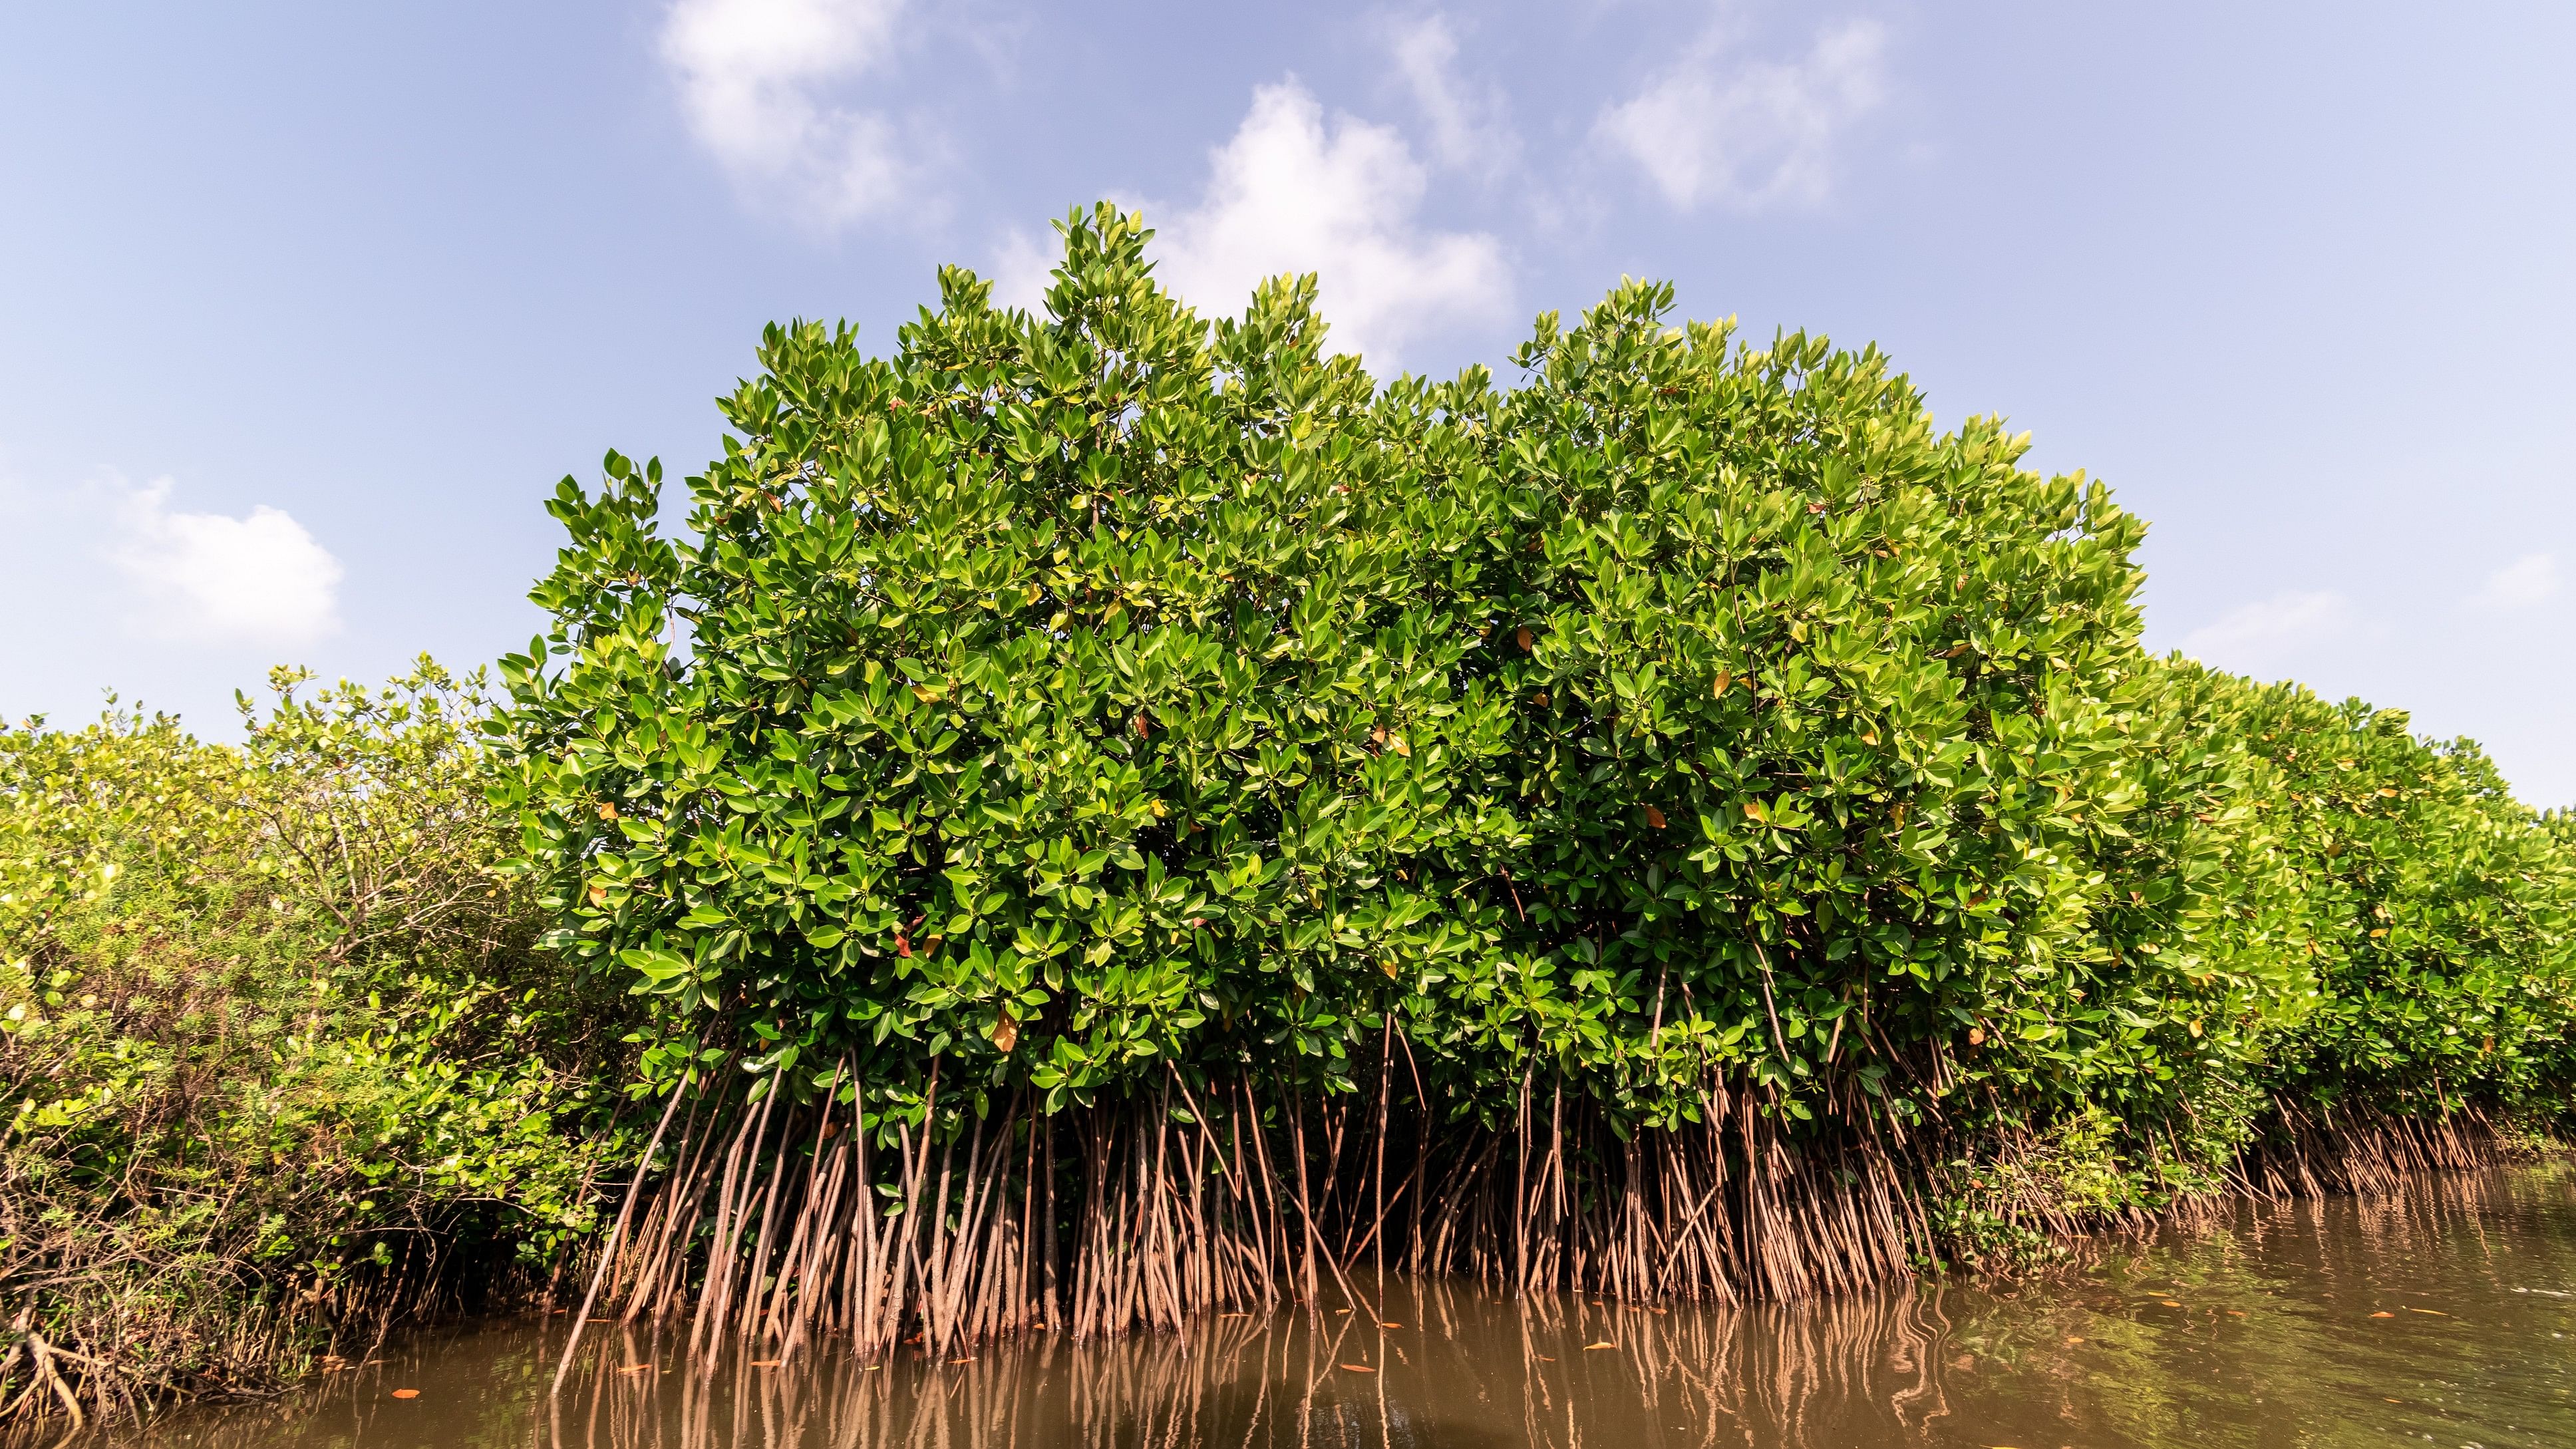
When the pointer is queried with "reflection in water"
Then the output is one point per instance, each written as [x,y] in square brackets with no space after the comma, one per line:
[2446,1315]
[1420,1365]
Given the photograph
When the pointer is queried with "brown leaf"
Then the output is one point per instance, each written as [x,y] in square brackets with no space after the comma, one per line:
[1654,818]
[1976,1036]
[1723,680]
[607,811]
[2383,1313]
[406,1393]
[1524,637]
[1359,1368]
[599,895]
[1006,1034]
[1587,1348]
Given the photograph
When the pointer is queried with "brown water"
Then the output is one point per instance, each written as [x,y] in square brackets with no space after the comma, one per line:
[2447,1317]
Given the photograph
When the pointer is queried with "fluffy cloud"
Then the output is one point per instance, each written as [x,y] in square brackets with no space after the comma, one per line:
[204,577]
[1750,134]
[1294,193]
[758,80]
[2255,637]
[2528,580]
[1470,128]
[1023,267]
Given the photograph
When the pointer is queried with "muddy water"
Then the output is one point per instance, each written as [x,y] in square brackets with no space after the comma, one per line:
[2447,1317]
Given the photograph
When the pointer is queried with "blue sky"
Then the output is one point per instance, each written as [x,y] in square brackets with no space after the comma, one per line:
[303,308]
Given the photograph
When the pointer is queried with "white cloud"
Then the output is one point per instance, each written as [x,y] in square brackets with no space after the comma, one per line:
[1750,134]
[2528,580]
[1291,193]
[207,578]
[1023,268]
[2256,636]
[1471,129]
[758,82]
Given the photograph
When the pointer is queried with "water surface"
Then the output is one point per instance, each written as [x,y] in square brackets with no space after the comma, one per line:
[2446,1317]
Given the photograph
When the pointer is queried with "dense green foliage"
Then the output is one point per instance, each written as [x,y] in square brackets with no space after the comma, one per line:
[2432,909]
[1081,698]
[273,1045]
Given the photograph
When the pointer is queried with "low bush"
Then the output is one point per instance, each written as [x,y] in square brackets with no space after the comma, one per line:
[276,1055]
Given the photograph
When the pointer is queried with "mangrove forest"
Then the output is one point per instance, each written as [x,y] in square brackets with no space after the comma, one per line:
[1100,817]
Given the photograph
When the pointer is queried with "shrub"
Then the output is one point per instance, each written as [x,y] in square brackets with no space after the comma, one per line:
[275,1052]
